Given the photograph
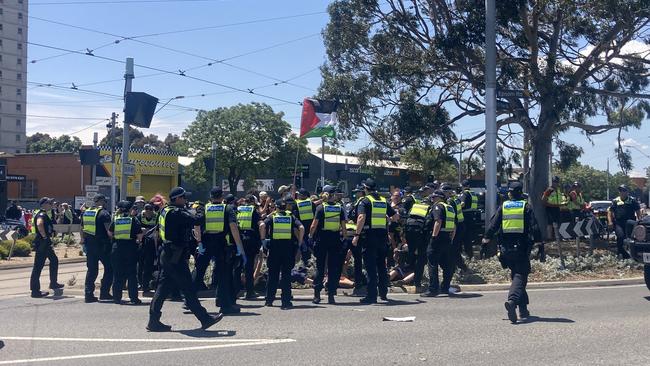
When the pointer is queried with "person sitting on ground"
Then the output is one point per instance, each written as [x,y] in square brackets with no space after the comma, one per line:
[401,272]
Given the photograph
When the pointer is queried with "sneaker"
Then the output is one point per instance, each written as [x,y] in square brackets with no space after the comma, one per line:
[157,326]
[90,299]
[366,300]
[56,286]
[512,314]
[331,300]
[453,290]
[212,320]
[135,301]
[286,306]
[39,294]
[429,294]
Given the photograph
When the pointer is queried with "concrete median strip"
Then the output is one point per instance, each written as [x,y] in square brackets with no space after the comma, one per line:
[216,343]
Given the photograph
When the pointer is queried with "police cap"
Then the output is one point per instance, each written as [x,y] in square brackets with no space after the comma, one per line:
[622,188]
[515,187]
[437,193]
[229,198]
[370,184]
[303,192]
[124,205]
[465,183]
[45,200]
[408,189]
[216,192]
[329,189]
[178,192]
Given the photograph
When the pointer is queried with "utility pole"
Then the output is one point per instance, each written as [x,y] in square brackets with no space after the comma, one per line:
[111,133]
[460,161]
[607,179]
[93,177]
[490,111]
[128,81]
[214,163]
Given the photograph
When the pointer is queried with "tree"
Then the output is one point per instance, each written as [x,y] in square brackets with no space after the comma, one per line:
[594,182]
[579,59]
[246,136]
[330,150]
[41,143]
[138,139]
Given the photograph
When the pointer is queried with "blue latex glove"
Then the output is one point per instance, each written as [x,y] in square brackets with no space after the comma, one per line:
[201,249]
[242,255]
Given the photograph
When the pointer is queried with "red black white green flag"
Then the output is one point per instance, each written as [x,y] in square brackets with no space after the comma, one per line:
[318,118]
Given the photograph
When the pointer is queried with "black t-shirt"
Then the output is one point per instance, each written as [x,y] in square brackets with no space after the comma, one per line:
[295,224]
[103,217]
[320,216]
[437,212]
[624,210]
[365,207]
[178,225]
[136,229]
[47,222]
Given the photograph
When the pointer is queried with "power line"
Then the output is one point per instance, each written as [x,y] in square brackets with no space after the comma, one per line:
[88,127]
[59,117]
[121,2]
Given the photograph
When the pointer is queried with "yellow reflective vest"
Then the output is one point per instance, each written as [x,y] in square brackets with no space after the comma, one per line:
[245,217]
[214,217]
[512,221]
[123,227]
[332,213]
[282,225]
[378,211]
[89,220]
[450,218]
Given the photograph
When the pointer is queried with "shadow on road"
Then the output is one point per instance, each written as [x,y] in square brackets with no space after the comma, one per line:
[647,298]
[2,344]
[537,319]
[200,333]
[392,302]
[243,313]
[305,307]
[465,296]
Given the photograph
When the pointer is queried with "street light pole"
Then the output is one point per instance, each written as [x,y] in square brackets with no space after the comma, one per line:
[214,163]
[490,111]
[128,79]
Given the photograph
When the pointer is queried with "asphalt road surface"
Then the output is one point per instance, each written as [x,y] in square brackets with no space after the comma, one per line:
[588,326]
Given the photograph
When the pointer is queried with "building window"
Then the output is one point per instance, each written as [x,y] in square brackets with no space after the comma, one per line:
[28,189]
[20,1]
[17,151]
[17,123]
[19,76]
[1,11]
[19,107]
[20,46]
[0,26]
[19,91]
[17,138]
[20,15]
[20,30]
[19,61]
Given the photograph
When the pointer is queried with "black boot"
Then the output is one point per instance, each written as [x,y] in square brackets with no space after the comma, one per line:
[542,253]
[331,300]
[211,320]
[155,325]
[523,311]
[512,314]
[316,299]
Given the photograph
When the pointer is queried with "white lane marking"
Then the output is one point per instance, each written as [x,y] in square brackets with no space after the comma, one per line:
[134,340]
[164,350]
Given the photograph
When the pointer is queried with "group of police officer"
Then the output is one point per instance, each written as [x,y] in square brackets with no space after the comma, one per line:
[435,219]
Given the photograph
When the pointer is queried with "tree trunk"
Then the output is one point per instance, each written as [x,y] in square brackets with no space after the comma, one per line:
[539,172]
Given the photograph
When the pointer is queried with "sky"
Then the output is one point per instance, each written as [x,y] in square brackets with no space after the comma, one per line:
[272,47]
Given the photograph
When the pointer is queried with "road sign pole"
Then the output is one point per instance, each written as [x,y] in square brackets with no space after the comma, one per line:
[490,111]
[128,78]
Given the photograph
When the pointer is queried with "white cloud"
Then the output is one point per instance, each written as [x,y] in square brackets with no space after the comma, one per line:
[636,48]
[633,143]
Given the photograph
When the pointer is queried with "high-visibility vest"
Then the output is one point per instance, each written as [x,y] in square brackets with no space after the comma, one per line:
[513,217]
[351,228]
[459,209]
[245,217]
[147,222]
[474,205]
[68,215]
[378,210]
[161,222]
[282,225]
[305,210]
[450,218]
[556,198]
[33,228]
[214,217]
[419,210]
[416,200]
[90,220]
[123,227]
[332,213]
[577,204]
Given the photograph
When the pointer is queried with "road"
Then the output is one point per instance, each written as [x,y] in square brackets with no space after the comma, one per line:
[16,281]
[589,326]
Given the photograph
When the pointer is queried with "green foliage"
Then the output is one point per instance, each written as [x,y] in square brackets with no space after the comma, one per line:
[21,249]
[594,182]
[138,140]
[432,161]
[246,137]
[569,154]
[42,143]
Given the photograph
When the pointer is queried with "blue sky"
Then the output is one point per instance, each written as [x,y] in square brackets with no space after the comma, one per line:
[297,58]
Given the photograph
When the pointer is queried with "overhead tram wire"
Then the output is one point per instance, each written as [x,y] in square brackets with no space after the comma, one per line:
[119,2]
[177,73]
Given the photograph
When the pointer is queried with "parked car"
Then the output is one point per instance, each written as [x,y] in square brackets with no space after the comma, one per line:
[639,245]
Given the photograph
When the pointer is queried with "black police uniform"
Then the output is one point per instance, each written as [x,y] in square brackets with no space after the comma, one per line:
[440,252]
[98,249]
[357,251]
[514,251]
[624,211]
[217,248]
[281,260]
[471,220]
[251,242]
[305,249]
[124,258]
[374,243]
[43,250]
[175,271]
[327,250]
[417,239]
[147,251]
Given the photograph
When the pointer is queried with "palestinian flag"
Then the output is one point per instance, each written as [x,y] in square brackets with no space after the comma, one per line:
[318,118]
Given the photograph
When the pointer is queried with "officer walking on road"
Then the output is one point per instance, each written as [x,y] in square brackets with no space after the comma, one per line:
[515,226]
[43,250]
[176,224]
[372,235]
[440,252]
[285,232]
[623,210]
[327,227]
[147,253]
[96,222]
[127,235]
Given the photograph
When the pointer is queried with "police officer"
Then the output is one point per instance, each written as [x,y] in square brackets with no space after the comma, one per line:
[304,211]
[357,254]
[553,199]
[147,253]
[454,201]
[575,201]
[127,235]
[43,250]
[624,209]
[248,219]
[96,222]
[515,226]
[440,251]
[219,220]
[326,229]
[416,237]
[285,232]
[175,225]
[469,206]
[372,235]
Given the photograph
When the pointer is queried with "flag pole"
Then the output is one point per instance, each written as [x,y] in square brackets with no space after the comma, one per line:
[322,162]
[295,167]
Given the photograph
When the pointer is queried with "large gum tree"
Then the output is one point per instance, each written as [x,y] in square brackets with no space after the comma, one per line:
[585,63]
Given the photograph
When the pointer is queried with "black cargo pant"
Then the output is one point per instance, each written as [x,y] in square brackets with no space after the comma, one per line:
[251,244]
[125,259]
[282,258]
[43,250]
[441,253]
[623,230]
[98,251]
[417,244]
[216,247]
[519,270]
[375,245]
[357,255]
[175,273]
[469,234]
[146,259]
[328,255]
